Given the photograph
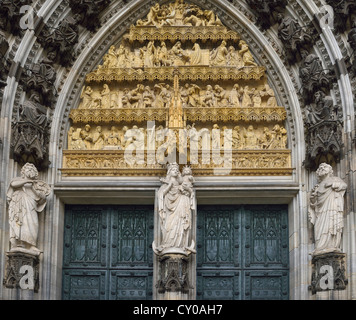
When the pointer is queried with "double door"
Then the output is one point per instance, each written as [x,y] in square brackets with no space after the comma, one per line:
[108,253]
[242,252]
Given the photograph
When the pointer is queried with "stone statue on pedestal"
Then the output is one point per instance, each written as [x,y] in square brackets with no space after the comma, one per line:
[26,197]
[176,204]
[326,209]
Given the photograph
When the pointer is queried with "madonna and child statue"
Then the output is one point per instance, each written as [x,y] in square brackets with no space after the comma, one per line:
[176,209]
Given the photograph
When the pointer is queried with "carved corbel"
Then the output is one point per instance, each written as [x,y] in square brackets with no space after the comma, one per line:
[22,271]
[322,280]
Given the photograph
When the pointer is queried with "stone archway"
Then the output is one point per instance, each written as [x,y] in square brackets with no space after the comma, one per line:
[115,19]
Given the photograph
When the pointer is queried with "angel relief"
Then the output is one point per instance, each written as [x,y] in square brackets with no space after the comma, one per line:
[181,69]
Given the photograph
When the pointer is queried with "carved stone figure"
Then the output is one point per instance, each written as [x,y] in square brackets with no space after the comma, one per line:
[279,138]
[271,99]
[293,36]
[98,139]
[246,55]
[30,133]
[314,77]
[10,15]
[267,10]
[196,57]
[105,97]
[246,97]
[342,14]
[176,205]
[237,139]
[87,136]
[61,41]
[326,209]
[321,109]
[113,139]
[41,79]
[265,141]
[219,55]
[233,58]
[178,56]
[220,96]
[26,197]
[88,12]
[250,138]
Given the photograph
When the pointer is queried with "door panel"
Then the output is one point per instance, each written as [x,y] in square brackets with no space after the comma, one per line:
[85,238]
[224,285]
[218,237]
[102,247]
[84,285]
[242,252]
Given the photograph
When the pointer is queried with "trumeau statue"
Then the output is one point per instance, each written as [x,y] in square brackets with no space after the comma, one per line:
[26,197]
[176,206]
[326,209]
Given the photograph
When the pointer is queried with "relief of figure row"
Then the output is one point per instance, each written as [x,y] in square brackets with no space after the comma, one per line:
[191,94]
[141,138]
[179,14]
[152,56]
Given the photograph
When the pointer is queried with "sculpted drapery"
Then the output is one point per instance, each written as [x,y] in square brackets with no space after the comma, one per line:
[176,204]
[326,209]
[26,197]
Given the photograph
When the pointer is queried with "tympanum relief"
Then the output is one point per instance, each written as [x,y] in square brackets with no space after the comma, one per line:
[178,85]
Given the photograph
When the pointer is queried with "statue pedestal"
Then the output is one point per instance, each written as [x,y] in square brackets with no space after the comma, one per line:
[173,283]
[22,273]
[328,276]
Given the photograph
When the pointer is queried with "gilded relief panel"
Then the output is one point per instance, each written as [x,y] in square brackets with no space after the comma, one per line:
[178,86]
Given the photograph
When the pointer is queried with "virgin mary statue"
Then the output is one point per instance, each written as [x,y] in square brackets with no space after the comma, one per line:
[176,205]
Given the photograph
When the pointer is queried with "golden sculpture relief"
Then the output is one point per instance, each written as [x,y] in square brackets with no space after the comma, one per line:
[179,83]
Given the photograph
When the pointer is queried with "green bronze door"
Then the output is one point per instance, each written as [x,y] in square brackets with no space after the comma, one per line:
[242,252]
[107,253]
